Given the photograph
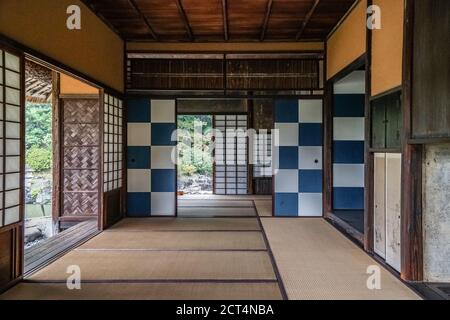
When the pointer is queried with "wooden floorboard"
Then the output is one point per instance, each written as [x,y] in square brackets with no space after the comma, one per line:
[49,250]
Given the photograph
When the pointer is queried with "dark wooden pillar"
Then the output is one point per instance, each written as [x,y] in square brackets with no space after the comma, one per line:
[56,200]
[368,155]
[328,151]
[411,202]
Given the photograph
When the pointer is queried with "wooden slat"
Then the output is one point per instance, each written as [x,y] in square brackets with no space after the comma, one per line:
[307,19]
[266,20]
[225,19]
[144,18]
[185,19]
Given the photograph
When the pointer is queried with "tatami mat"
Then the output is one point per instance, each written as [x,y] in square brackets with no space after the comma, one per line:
[317,262]
[161,265]
[264,207]
[215,203]
[223,197]
[216,212]
[185,224]
[177,241]
[146,291]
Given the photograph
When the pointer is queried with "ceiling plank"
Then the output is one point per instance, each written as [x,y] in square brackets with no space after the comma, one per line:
[92,7]
[307,19]
[143,17]
[225,19]
[266,20]
[185,20]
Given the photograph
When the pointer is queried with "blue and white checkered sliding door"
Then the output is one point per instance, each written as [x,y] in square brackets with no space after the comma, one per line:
[297,159]
[151,170]
[348,152]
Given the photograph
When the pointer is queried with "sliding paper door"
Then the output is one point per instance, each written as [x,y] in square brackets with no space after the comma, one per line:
[231,148]
[11,164]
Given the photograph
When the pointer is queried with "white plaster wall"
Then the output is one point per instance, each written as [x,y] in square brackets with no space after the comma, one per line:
[436,213]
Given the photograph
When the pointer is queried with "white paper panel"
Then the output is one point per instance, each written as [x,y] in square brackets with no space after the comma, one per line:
[12,130]
[12,164]
[393,196]
[12,113]
[12,62]
[12,215]
[12,198]
[12,79]
[12,181]
[12,147]
[12,96]
[379,204]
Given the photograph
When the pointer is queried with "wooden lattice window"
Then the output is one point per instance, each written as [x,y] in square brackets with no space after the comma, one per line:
[113,143]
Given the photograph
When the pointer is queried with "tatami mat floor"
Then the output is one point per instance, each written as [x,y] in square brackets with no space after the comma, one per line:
[234,257]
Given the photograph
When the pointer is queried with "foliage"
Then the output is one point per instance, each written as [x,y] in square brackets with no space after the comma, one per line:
[195,153]
[39,159]
[38,143]
[38,125]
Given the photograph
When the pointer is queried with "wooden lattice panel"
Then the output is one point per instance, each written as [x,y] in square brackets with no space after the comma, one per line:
[80,204]
[81,111]
[81,134]
[81,157]
[80,180]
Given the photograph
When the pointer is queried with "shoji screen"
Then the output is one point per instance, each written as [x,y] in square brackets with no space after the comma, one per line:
[298,157]
[11,165]
[231,148]
[151,170]
[113,160]
[10,137]
[113,143]
[262,155]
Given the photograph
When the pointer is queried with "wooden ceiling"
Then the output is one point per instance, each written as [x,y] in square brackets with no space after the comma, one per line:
[221,20]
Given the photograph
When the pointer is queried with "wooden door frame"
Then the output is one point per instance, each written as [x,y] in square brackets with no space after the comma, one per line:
[363,239]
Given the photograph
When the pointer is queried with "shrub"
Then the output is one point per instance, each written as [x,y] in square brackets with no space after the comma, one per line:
[39,159]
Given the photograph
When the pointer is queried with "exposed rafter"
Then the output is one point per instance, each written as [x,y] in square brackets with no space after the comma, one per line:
[225,19]
[266,20]
[143,17]
[307,19]
[185,20]
[92,7]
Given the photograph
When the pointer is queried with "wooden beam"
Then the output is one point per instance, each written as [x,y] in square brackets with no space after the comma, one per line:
[185,19]
[225,19]
[411,202]
[307,19]
[143,17]
[266,20]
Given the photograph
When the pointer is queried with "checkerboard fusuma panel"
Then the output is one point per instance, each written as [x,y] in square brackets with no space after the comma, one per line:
[298,157]
[151,144]
[348,151]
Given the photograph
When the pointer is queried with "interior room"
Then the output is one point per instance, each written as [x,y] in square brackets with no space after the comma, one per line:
[224,150]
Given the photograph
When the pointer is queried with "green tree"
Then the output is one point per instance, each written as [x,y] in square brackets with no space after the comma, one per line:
[38,119]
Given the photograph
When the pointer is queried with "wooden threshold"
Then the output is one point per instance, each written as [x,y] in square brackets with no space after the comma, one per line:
[53,248]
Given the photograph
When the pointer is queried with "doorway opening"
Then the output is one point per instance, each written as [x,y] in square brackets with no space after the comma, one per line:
[224,157]
[62,162]
[348,149]
[39,177]
[195,154]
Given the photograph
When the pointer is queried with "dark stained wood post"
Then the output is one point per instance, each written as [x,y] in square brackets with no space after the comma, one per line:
[368,155]
[56,149]
[411,201]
